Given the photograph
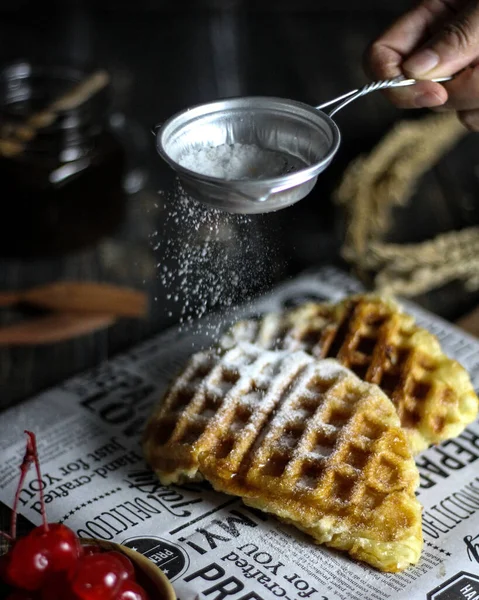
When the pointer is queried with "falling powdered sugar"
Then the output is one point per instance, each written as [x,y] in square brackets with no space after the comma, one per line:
[211,260]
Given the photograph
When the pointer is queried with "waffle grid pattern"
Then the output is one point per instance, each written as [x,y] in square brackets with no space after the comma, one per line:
[372,337]
[303,439]
[322,442]
[235,392]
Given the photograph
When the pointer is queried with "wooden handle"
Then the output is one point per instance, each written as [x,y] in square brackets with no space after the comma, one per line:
[84,297]
[10,298]
[53,328]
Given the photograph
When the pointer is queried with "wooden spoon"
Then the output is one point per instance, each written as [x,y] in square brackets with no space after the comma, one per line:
[53,328]
[84,297]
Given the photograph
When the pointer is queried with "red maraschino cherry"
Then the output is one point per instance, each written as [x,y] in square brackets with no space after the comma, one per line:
[50,563]
[128,568]
[41,553]
[46,549]
[98,577]
[28,566]
[130,590]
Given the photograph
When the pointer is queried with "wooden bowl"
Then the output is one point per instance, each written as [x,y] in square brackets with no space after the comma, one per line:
[152,579]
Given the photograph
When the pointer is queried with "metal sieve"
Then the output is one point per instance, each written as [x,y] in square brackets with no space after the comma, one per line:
[301,135]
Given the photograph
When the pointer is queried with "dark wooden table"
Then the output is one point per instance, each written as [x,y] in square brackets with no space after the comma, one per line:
[164,60]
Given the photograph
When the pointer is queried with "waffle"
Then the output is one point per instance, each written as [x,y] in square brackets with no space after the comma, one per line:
[302,439]
[371,336]
[204,394]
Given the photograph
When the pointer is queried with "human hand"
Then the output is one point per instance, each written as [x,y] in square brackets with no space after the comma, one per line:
[435,39]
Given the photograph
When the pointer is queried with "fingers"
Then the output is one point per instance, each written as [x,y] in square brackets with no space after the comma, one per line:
[385,63]
[463,91]
[437,38]
[453,47]
[464,98]
[387,55]
[424,94]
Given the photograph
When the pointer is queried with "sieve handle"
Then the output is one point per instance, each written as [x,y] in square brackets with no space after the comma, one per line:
[345,99]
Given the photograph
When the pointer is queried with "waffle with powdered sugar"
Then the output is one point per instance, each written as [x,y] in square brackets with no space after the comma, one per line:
[374,338]
[303,439]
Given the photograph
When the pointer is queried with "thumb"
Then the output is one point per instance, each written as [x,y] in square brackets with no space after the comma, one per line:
[453,47]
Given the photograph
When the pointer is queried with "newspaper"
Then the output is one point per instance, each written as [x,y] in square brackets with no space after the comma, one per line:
[210,545]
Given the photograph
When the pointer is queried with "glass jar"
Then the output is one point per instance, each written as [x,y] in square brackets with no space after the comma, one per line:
[64,190]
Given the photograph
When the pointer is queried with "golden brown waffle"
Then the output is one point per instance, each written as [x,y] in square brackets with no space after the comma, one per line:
[209,387]
[305,440]
[371,336]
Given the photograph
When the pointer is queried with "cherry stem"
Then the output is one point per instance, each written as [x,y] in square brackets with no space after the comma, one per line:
[30,456]
[27,461]
[33,441]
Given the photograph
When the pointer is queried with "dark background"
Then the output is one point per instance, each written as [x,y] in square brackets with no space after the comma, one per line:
[164,56]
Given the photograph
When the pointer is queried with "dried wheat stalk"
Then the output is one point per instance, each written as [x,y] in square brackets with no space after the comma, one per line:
[373,184]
